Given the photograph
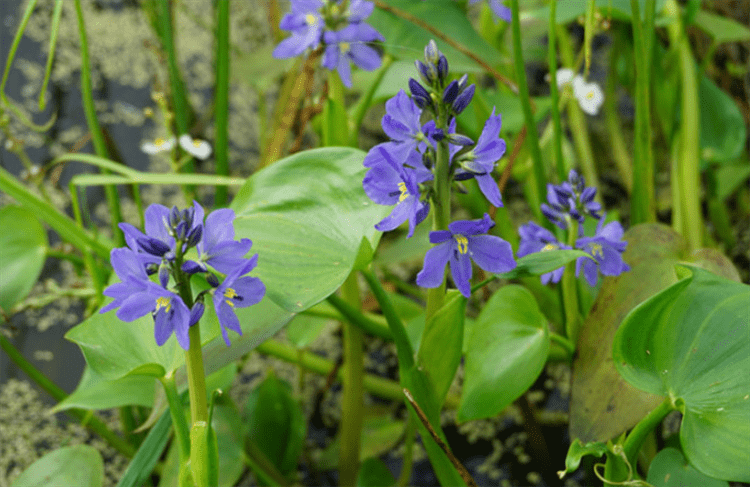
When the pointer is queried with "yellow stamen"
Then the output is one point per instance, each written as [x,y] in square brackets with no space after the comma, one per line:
[590,95]
[162,302]
[463,243]
[596,250]
[196,143]
[230,293]
[404,191]
[549,246]
[229,302]
[344,46]
[310,19]
[159,142]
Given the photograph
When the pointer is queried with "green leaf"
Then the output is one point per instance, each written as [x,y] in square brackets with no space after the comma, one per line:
[374,473]
[23,247]
[617,9]
[722,127]
[577,451]
[540,263]
[689,343]
[441,344]
[148,454]
[96,392]
[406,40]
[722,29]
[79,465]
[507,352]
[275,423]
[669,468]
[304,329]
[307,215]
[730,177]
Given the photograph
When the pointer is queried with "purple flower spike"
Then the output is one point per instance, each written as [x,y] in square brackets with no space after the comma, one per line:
[535,238]
[462,242]
[500,10]
[570,200]
[306,25]
[348,46]
[389,183]
[481,160]
[606,248]
[218,247]
[237,292]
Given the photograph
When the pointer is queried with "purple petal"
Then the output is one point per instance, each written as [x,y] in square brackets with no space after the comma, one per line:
[136,305]
[398,216]
[155,222]
[491,253]
[364,57]
[472,227]
[251,289]
[440,236]
[461,272]
[433,272]
[489,189]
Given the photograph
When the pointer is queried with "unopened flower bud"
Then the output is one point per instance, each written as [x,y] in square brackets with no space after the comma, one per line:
[463,99]
[450,93]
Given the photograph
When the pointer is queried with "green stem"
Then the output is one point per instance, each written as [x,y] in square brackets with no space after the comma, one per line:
[688,158]
[408,460]
[566,344]
[532,137]
[554,95]
[95,271]
[54,29]
[356,317]
[86,418]
[569,285]
[352,404]
[179,94]
[620,153]
[403,345]
[588,35]
[97,136]
[181,430]
[441,213]
[643,203]
[221,100]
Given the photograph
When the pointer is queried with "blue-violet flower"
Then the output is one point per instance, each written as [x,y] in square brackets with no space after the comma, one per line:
[606,248]
[535,238]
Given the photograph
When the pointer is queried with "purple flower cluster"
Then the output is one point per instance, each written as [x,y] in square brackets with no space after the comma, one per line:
[161,250]
[500,10]
[568,202]
[340,26]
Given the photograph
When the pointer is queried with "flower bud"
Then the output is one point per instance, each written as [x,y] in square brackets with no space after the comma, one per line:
[419,94]
[463,100]
[450,93]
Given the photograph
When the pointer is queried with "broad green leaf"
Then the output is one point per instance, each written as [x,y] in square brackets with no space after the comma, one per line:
[96,392]
[722,29]
[669,468]
[406,40]
[507,352]
[442,341]
[23,247]
[275,423]
[310,222]
[730,177]
[577,451]
[305,329]
[690,343]
[79,465]
[374,473]
[417,382]
[540,263]
[722,127]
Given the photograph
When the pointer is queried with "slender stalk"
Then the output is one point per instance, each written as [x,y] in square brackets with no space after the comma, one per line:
[564,343]
[532,136]
[569,285]
[588,35]
[408,460]
[179,95]
[86,418]
[221,100]
[97,136]
[357,318]
[619,151]
[352,403]
[643,203]
[554,95]
[688,155]
[181,430]
[54,29]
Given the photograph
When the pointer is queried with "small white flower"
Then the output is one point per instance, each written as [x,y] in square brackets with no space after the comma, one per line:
[564,76]
[590,96]
[158,145]
[195,147]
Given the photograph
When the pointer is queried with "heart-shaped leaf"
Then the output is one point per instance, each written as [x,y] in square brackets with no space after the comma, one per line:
[669,468]
[22,253]
[96,392]
[690,343]
[508,349]
[311,223]
[79,465]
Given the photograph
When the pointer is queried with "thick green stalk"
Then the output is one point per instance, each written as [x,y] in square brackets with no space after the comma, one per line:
[532,137]
[355,316]
[553,92]
[441,214]
[688,155]
[567,345]
[86,418]
[408,460]
[352,403]
[569,285]
[221,100]
[97,136]
[643,203]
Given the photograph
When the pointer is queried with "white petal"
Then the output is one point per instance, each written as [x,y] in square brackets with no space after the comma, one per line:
[195,147]
[564,76]
[590,97]
[158,145]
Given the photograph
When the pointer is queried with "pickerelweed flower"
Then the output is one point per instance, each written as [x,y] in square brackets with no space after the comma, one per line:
[535,238]
[570,200]
[480,161]
[401,123]
[338,26]
[170,234]
[500,10]
[387,183]
[463,242]
[606,248]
